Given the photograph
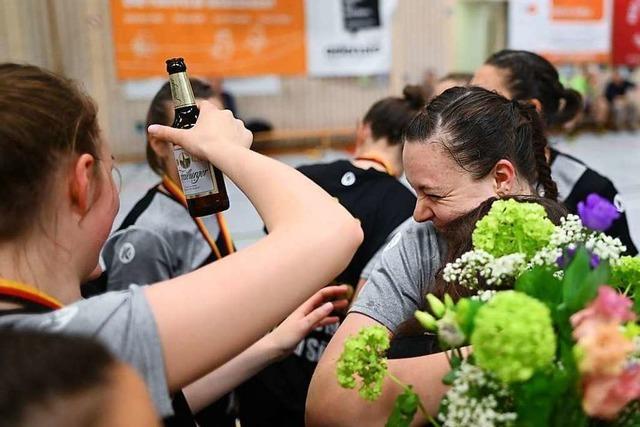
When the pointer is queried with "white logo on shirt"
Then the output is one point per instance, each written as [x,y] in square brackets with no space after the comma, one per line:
[394,241]
[59,318]
[348,179]
[127,253]
[617,202]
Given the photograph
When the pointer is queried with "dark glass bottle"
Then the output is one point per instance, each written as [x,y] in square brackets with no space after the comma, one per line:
[202,183]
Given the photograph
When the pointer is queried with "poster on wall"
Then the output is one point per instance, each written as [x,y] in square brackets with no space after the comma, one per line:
[216,37]
[626,32]
[348,37]
[562,30]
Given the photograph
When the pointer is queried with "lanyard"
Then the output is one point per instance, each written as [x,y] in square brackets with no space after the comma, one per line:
[375,159]
[178,195]
[27,293]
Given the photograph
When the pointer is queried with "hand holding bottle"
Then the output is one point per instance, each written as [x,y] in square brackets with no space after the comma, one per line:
[214,130]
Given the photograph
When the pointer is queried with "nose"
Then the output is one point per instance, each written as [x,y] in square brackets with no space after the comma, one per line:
[422,212]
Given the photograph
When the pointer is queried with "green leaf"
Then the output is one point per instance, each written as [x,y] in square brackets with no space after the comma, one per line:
[450,377]
[537,398]
[404,409]
[580,284]
[540,284]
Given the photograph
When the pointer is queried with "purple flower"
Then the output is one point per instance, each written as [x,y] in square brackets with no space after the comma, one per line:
[597,213]
[594,262]
[567,256]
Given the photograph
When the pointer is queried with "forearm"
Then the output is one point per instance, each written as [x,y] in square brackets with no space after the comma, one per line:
[280,194]
[328,404]
[214,385]
[210,315]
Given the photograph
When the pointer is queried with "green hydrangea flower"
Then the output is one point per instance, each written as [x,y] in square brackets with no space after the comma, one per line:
[626,272]
[364,356]
[512,227]
[513,336]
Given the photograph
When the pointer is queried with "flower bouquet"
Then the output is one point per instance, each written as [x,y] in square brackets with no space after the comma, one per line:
[555,342]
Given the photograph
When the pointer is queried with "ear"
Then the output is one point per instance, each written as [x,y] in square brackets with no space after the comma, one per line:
[536,103]
[81,184]
[161,147]
[504,177]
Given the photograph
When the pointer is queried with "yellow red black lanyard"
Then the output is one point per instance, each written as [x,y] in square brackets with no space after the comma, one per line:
[176,192]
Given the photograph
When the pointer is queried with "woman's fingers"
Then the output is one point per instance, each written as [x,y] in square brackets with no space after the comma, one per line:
[316,316]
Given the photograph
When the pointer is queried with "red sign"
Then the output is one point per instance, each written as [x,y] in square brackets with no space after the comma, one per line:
[626,32]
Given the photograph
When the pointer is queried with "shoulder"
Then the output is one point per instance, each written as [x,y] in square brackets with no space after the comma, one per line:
[322,169]
[413,238]
[572,175]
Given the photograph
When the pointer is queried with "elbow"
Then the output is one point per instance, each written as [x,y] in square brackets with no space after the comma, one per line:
[355,233]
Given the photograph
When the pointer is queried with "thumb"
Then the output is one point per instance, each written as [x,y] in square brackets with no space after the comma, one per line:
[166,133]
[317,315]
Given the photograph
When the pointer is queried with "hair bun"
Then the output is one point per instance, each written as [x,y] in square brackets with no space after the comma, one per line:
[571,106]
[414,95]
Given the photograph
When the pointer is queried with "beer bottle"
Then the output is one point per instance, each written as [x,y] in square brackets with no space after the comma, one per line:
[202,183]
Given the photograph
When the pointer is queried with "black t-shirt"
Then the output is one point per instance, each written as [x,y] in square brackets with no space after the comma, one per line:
[576,181]
[277,395]
[617,89]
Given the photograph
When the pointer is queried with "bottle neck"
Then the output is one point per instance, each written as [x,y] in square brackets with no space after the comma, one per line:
[181,90]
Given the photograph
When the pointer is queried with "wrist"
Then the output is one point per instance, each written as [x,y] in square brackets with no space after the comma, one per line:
[270,346]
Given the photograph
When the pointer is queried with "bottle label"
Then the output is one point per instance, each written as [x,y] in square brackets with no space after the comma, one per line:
[196,176]
[181,90]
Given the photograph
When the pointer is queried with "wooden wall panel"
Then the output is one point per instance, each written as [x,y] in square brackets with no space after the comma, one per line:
[74,37]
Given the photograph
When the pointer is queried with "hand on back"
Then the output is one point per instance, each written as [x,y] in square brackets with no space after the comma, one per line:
[314,312]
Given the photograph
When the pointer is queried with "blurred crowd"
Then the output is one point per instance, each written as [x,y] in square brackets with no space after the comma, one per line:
[610,94]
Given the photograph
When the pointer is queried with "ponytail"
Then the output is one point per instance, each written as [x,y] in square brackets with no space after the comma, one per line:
[531,125]
[530,76]
[571,106]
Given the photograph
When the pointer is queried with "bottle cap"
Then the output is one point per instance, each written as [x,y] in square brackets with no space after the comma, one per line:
[176,65]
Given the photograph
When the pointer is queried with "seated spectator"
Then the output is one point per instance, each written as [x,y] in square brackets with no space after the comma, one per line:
[623,110]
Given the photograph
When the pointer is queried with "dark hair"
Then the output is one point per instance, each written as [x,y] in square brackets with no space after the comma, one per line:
[531,76]
[161,111]
[390,116]
[458,237]
[479,128]
[44,119]
[39,369]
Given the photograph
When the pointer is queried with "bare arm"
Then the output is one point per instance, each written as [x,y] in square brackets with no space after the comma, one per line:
[208,316]
[314,312]
[328,404]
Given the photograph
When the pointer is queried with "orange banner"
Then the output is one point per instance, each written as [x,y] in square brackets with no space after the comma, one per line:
[216,37]
[577,10]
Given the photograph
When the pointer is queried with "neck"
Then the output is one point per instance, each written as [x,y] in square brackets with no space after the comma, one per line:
[43,264]
[380,150]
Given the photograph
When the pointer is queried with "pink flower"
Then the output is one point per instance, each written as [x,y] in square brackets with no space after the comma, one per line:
[605,396]
[613,305]
[608,307]
[604,351]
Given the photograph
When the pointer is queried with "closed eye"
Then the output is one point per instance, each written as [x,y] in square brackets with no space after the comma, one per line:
[435,196]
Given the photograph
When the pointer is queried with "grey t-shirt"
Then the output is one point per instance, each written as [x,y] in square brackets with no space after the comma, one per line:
[162,241]
[403,276]
[123,322]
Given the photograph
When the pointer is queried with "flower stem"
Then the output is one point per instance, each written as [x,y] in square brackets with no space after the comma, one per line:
[420,405]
